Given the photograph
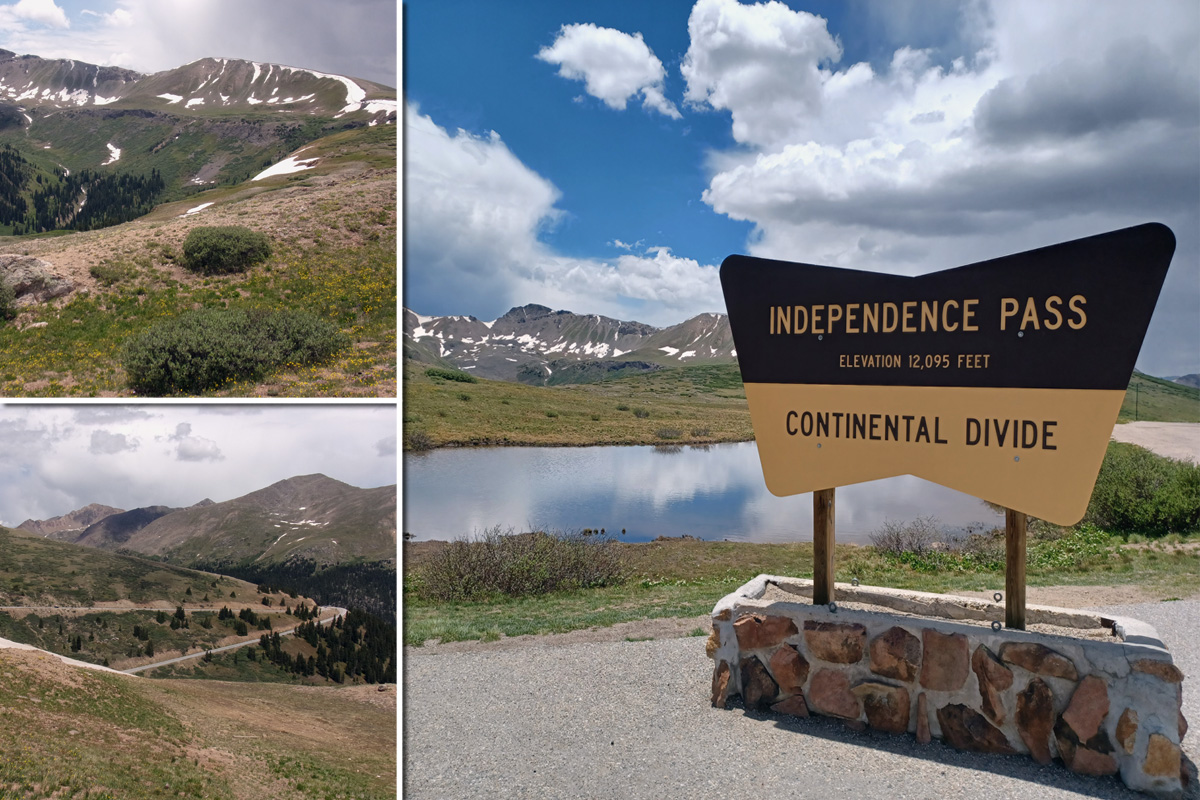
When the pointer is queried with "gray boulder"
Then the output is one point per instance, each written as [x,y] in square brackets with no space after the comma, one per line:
[34,280]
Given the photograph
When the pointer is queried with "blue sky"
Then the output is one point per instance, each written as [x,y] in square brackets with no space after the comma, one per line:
[605,157]
[357,38]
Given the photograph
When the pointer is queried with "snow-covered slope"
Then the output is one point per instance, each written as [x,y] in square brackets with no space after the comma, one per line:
[31,82]
[531,342]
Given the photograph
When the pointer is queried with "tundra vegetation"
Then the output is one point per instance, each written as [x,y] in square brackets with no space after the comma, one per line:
[303,244]
[703,404]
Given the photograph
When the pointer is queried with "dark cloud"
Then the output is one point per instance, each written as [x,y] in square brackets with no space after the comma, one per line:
[386,447]
[108,415]
[1135,82]
[106,443]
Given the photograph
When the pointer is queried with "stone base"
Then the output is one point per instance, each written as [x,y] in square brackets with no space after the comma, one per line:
[934,665]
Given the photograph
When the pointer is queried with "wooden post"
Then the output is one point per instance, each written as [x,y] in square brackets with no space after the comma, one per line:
[1014,569]
[822,547]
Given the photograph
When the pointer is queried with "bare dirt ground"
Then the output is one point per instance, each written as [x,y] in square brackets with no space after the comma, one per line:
[1178,440]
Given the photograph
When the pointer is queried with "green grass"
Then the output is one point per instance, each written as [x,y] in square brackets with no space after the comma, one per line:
[37,571]
[685,578]
[74,733]
[705,403]
[1156,400]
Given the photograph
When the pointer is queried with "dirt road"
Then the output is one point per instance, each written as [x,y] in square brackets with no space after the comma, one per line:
[1178,440]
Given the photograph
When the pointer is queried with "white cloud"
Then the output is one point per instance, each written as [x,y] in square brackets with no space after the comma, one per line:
[150,35]
[193,448]
[614,66]
[762,63]
[474,215]
[41,12]
[1062,123]
[60,458]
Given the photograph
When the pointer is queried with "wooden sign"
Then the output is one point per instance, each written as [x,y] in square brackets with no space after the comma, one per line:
[1000,379]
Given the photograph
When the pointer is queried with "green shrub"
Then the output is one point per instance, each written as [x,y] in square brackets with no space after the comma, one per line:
[641,413]
[668,433]
[519,564]
[205,349]
[8,301]
[419,441]
[552,414]
[231,248]
[451,375]
[1139,492]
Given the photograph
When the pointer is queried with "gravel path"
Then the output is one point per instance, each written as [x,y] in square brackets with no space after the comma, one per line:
[633,720]
[1178,440]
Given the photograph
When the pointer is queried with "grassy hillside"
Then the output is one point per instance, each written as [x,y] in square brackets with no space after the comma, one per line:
[673,406]
[68,732]
[700,403]
[333,233]
[1156,400]
[42,572]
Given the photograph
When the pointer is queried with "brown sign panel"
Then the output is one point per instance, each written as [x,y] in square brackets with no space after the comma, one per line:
[1001,379]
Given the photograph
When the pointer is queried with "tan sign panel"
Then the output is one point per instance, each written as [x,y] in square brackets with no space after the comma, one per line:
[1001,379]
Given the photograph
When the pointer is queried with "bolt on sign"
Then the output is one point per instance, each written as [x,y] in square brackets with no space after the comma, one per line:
[1001,379]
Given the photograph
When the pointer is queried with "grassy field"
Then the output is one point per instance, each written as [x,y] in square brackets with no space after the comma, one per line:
[684,405]
[333,231]
[73,733]
[678,406]
[42,572]
[685,577]
[1155,400]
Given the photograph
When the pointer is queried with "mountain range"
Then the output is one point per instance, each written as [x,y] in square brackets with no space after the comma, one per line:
[536,345]
[310,518]
[84,146]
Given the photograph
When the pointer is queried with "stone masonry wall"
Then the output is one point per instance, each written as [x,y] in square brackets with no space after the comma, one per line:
[1101,707]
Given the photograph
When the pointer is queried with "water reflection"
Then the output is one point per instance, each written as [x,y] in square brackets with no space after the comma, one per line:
[710,492]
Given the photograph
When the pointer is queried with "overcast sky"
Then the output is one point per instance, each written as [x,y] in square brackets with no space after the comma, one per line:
[606,157]
[345,37]
[57,459]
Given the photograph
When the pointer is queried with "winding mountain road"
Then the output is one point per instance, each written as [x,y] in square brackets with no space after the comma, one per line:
[327,615]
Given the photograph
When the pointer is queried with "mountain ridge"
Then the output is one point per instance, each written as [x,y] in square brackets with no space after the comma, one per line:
[304,518]
[533,344]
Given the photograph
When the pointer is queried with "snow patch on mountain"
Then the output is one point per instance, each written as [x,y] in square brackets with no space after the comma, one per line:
[114,155]
[288,165]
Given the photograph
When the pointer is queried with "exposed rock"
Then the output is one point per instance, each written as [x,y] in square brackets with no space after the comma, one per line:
[1035,719]
[1093,757]
[896,653]
[33,280]
[829,692]
[714,642]
[1088,707]
[887,707]
[1127,727]
[994,678]
[790,669]
[944,664]
[1038,658]
[966,729]
[793,705]
[923,719]
[1164,670]
[755,631]
[836,642]
[1163,757]
[758,689]
[720,684]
